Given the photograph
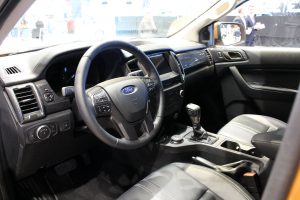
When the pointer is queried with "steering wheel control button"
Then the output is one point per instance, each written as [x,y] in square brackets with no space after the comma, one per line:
[101,103]
[49,97]
[43,132]
[150,85]
[176,139]
[103,109]
[100,97]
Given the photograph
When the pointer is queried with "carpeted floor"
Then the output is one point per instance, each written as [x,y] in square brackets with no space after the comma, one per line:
[96,181]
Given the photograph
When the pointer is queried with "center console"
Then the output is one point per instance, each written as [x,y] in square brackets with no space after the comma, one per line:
[221,151]
[194,144]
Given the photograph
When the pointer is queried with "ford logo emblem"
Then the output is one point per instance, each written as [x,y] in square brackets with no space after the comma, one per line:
[128,89]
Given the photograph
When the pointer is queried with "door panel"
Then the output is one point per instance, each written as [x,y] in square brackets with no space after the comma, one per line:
[259,88]
[272,78]
[265,83]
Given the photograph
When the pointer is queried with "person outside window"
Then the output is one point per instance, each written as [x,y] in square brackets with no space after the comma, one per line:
[252,26]
[241,18]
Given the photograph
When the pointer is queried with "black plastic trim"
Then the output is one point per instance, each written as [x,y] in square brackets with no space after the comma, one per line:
[262,92]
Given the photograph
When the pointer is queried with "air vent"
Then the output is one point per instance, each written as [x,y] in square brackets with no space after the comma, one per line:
[209,57]
[12,70]
[26,99]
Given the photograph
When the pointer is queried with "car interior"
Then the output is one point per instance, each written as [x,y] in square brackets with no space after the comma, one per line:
[159,118]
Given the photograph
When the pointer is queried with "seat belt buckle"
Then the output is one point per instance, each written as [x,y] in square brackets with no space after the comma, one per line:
[251,182]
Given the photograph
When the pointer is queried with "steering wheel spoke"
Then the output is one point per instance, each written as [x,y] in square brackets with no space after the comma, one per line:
[132,131]
[147,125]
[128,131]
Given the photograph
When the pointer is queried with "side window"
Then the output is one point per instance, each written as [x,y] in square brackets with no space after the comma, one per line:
[268,23]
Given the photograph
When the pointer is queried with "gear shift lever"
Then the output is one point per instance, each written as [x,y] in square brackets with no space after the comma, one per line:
[194,112]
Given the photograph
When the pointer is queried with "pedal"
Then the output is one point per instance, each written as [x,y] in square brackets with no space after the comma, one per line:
[65,167]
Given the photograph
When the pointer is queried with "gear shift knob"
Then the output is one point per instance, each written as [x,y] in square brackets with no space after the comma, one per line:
[194,112]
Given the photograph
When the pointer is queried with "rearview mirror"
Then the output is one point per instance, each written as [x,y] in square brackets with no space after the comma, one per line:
[229,33]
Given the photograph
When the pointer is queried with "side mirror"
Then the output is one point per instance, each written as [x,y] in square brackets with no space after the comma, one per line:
[229,33]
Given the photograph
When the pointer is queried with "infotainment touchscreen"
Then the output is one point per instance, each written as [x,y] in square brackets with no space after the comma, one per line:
[161,63]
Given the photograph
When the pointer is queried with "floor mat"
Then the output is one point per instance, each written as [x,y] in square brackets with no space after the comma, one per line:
[35,188]
[95,189]
[98,181]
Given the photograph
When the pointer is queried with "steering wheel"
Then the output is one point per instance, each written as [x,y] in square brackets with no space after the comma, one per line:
[124,102]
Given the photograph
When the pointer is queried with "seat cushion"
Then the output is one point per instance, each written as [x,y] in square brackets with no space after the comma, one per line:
[179,181]
[243,127]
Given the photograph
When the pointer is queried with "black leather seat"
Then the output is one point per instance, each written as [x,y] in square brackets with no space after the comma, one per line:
[243,127]
[180,181]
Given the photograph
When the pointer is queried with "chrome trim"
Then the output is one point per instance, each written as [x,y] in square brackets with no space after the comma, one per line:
[38,130]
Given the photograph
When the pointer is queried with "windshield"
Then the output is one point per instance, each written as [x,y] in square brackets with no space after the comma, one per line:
[51,22]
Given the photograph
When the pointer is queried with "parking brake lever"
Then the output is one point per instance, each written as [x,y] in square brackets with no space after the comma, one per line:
[204,162]
[234,168]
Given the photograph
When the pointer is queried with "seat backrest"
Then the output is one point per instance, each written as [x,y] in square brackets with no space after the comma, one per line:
[287,159]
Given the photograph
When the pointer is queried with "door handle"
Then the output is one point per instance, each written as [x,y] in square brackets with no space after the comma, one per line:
[233,56]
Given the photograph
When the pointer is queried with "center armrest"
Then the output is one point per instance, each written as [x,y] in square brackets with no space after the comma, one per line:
[268,143]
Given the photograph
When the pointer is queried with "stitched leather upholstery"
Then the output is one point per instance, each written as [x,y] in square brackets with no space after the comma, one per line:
[180,181]
[243,127]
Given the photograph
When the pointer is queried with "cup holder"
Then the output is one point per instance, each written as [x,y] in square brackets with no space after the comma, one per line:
[236,147]
[231,145]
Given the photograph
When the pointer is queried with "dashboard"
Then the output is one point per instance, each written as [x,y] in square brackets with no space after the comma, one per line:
[106,66]
[44,125]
